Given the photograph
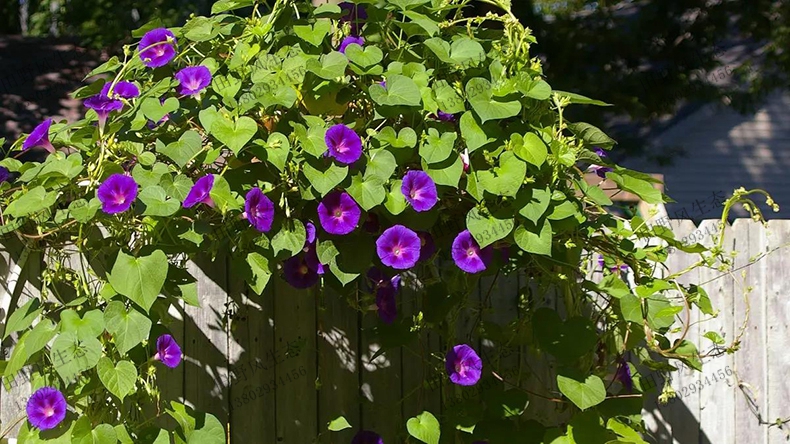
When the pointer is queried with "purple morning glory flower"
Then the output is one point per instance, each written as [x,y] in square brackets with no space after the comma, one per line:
[463,365]
[427,246]
[117,193]
[383,84]
[298,272]
[157,47]
[122,89]
[5,175]
[103,106]
[39,137]
[624,376]
[465,159]
[467,253]
[600,152]
[344,144]
[309,229]
[310,249]
[259,209]
[398,247]
[349,40]
[338,213]
[444,117]
[419,190]
[46,408]
[200,192]
[600,170]
[193,80]
[386,290]
[353,13]
[367,437]
[168,351]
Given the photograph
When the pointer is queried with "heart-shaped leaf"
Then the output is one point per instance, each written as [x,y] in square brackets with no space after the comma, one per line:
[400,90]
[474,136]
[90,326]
[381,164]
[506,179]
[184,149]
[436,149]
[487,229]
[290,238]
[481,97]
[530,148]
[537,241]
[448,172]
[338,424]
[314,34]
[119,379]
[153,110]
[139,278]
[330,66]
[145,177]
[424,427]
[585,393]
[127,327]
[403,139]
[325,181]
[260,272]
[71,355]
[535,202]
[236,134]
[364,57]
[367,192]
[157,203]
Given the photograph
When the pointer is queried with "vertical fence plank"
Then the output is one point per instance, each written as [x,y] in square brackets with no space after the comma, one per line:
[715,383]
[295,323]
[206,345]
[251,348]
[338,363]
[778,333]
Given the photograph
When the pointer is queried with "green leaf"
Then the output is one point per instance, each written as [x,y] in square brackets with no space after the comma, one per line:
[530,148]
[613,285]
[331,66]
[83,211]
[537,242]
[584,393]
[314,34]
[628,434]
[367,192]
[400,90]
[481,97]
[23,317]
[406,138]
[447,98]
[229,5]
[157,203]
[714,337]
[406,4]
[591,134]
[146,178]
[277,150]
[690,355]
[127,327]
[338,424]
[381,164]
[325,181]
[436,149]
[536,202]
[119,378]
[90,326]
[312,139]
[184,149]
[140,278]
[154,111]
[505,179]
[424,22]
[290,239]
[631,306]
[71,355]
[580,99]
[234,135]
[199,29]
[395,201]
[447,173]
[364,57]
[487,229]
[424,427]
[473,134]
[467,52]
[33,201]
[222,196]
[178,186]
[260,272]
[640,187]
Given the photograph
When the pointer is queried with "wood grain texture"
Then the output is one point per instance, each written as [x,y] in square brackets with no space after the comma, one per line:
[777,322]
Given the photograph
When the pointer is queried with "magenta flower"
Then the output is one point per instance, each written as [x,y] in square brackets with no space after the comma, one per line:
[353,13]
[193,80]
[344,144]
[117,193]
[259,209]
[383,84]
[157,47]
[200,192]
[349,40]
[338,213]
[624,376]
[443,116]
[39,137]
[398,247]
[309,229]
[427,246]
[467,253]
[168,351]
[600,152]
[298,272]
[122,89]
[465,159]
[463,365]
[103,106]
[419,190]
[600,170]
[46,408]
[367,437]
[5,175]
[311,251]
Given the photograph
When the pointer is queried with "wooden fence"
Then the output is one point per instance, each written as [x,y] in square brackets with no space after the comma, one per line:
[278,368]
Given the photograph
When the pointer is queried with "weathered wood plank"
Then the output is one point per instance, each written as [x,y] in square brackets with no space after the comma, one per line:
[778,329]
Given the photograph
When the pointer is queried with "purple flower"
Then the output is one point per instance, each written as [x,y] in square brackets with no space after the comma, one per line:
[309,229]
[338,213]
[624,376]
[259,209]
[465,159]
[117,193]
[600,170]
[367,437]
[5,175]
[419,190]
[310,250]
[46,408]
[40,137]
[192,80]
[344,144]
[353,13]
[200,192]
[467,253]
[427,246]
[600,152]
[349,40]
[103,106]
[602,264]
[398,247]
[298,272]
[157,47]
[385,299]
[383,84]
[122,89]
[463,365]
[168,351]
[443,116]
